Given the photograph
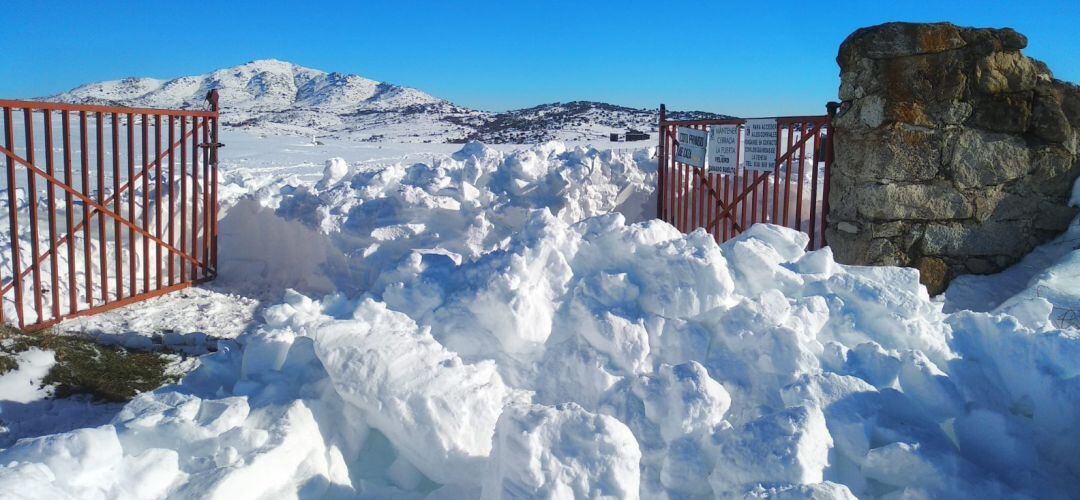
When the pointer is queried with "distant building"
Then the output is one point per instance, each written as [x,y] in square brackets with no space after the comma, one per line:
[636,135]
[614,137]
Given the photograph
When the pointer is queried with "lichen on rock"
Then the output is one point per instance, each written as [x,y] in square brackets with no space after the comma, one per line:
[955,153]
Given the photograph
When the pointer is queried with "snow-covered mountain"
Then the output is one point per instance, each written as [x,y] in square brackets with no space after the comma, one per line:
[274,97]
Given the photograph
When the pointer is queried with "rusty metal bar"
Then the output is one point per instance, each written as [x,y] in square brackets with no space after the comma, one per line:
[116,304]
[31,198]
[683,183]
[132,252]
[205,260]
[103,237]
[69,212]
[785,157]
[172,194]
[673,180]
[799,186]
[204,231]
[54,265]
[145,202]
[7,103]
[776,182]
[13,217]
[195,197]
[787,174]
[157,200]
[828,167]
[84,175]
[116,195]
[660,167]
[812,230]
[214,190]
[103,209]
[118,239]
[183,195]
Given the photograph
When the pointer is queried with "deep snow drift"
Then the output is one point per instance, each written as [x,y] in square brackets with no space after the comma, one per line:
[488,330]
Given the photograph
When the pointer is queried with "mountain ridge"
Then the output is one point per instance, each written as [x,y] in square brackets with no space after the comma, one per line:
[271,97]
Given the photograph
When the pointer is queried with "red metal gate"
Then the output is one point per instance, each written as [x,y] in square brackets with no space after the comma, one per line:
[794,194]
[125,218]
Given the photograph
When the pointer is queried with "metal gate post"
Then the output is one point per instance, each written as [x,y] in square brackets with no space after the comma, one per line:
[212,96]
[831,108]
[661,165]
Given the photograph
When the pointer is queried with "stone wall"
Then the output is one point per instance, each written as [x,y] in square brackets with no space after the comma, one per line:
[955,153]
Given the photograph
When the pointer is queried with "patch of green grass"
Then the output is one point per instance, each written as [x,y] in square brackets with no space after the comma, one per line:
[82,366]
[7,363]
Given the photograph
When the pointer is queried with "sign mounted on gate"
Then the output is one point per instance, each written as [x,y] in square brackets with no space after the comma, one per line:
[723,149]
[760,145]
[691,146]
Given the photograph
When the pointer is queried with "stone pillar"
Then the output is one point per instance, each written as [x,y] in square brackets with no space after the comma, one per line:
[955,153]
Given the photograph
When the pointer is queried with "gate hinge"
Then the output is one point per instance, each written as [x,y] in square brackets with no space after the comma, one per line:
[216,145]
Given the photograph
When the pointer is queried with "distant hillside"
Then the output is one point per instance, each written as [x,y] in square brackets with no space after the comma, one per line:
[276,97]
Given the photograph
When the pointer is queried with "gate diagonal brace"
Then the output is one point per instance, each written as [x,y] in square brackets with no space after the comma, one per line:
[719,202]
[101,208]
[727,211]
[95,210]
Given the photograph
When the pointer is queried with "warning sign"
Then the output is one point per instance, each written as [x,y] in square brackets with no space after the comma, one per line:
[760,145]
[691,147]
[723,149]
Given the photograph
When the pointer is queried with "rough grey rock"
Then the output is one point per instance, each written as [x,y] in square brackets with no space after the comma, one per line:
[954,152]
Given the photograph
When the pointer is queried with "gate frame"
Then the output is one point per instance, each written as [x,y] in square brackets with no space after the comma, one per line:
[696,199]
[203,258]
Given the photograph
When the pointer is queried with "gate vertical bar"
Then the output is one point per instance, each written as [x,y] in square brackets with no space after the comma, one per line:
[661,166]
[118,238]
[214,145]
[183,196]
[133,253]
[13,217]
[145,202]
[696,183]
[813,188]
[799,186]
[172,194]
[743,204]
[84,176]
[787,173]
[831,109]
[69,212]
[50,168]
[682,188]
[207,209]
[103,238]
[673,183]
[31,192]
[722,197]
[194,196]
[776,181]
[157,200]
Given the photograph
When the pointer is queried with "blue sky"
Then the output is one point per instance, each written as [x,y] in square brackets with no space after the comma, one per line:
[743,58]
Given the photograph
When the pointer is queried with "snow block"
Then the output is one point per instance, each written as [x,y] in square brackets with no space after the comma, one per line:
[786,447]
[561,452]
[439,412]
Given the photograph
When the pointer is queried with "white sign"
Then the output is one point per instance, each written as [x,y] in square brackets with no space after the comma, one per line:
[691,147]
[723,149]
[760,144]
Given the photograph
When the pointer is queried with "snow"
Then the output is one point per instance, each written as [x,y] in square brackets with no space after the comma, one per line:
[511,322]
[22,385]
[561,452]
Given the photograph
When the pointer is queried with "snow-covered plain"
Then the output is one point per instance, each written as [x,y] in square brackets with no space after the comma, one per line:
[468,322]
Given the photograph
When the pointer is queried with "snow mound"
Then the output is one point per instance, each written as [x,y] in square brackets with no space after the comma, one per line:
[510,339]
[341,233]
